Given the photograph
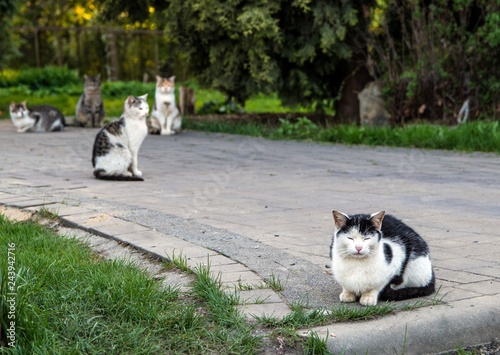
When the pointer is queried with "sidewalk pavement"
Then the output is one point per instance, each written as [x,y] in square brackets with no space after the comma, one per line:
[261,211]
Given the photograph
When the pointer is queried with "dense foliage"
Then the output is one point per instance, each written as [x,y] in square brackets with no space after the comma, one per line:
[8,50]
[243,47]
[430,56]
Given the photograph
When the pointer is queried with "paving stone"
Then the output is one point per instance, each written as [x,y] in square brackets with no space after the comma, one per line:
[278,310]
[14,213]
[258,296]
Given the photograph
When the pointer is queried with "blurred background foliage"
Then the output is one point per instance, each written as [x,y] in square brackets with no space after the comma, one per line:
[429,56]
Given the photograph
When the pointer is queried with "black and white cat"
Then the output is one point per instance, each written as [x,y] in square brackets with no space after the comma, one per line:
[117,144]
[378,257]
[41,118]
[165,116]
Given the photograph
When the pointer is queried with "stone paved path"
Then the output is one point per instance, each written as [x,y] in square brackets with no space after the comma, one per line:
[262,209]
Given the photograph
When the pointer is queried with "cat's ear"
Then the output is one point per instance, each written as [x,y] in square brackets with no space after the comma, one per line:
[24,104]
[130,100]
[340,219]
[143,97]
[172,78]
[377,219]
[85,77]
[158,79]
[98,77]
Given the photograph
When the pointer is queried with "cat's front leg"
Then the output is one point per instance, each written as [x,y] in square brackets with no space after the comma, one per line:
[347,296]
[135,170]
[369,298]
[24,128]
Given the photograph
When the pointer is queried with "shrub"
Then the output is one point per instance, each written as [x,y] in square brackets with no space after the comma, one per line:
[122,89]
[431,58]
[220,107]
[40,78]
[302,128]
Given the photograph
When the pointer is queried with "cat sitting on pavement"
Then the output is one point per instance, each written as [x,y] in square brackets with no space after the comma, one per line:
[117,144]
[165,116]
[378,257]
[90,107]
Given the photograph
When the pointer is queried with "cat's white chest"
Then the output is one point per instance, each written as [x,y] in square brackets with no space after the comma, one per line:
[164,101]
[360,275]
[137,130]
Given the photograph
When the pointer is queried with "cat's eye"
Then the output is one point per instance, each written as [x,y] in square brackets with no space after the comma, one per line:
[367,238]
[350,238]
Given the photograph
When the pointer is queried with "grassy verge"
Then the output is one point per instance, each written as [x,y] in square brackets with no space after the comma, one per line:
[71,301]
[481,136]
[68,301]
[115,93]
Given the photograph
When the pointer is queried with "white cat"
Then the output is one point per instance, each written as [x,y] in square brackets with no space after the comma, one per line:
[165,116]
[379,257]
[117,144]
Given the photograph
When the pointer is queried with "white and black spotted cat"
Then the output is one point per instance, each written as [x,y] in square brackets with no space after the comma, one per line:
[40,118]
[117,144]
[378,257]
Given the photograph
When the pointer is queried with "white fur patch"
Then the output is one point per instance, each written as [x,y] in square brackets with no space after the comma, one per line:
[418,273]
[367,272]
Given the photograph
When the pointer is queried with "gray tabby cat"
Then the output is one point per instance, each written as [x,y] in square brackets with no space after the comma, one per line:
[41,118]
[165,116]
[90,108]
[116,145]
[379,257]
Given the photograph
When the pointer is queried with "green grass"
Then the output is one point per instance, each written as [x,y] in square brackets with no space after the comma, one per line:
[483,136]
[262,103]
[275,283]
[48,213]
[115,93]
[68,302]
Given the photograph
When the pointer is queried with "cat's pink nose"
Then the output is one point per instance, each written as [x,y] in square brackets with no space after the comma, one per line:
[359,248]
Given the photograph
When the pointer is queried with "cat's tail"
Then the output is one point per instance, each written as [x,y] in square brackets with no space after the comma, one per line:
[102,175]
[389,294]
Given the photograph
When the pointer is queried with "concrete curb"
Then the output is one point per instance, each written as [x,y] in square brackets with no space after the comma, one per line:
[426,330]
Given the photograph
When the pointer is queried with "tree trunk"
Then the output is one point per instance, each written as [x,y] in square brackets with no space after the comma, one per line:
[37,49]
[186,101]
[347,108]
[113,61]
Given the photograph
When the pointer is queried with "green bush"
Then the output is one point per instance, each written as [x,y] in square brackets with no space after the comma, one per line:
[122,89]
[220,107]
[431,58]
[46,78]
[302,128]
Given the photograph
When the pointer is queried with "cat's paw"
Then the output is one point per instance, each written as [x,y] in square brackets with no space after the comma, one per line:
[138,173]
[369,299]
[346,296]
